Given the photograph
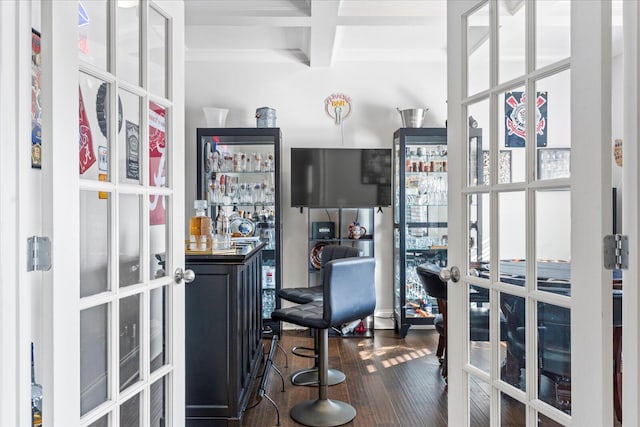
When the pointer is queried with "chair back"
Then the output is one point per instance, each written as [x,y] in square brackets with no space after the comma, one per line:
[429,275]
[554,337]
[349,289]
[331,252]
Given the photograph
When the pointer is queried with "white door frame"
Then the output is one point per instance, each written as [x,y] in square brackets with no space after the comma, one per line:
[18,214]
[631,215]
[590,200]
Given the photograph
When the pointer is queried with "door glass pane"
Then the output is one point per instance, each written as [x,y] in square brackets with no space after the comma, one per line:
[544,421]
[479,234]
[553,241]
[554,350]
[553,31]
[512,340]
[512,240]
[94,350]
[478,50]
[94,243]
[130,412]
[511,39]
[512,412]
[130,238]
[101,422]
[92,32]
[129,140]
[479,346]
[158,402]
[480,403]
[93,122]
[478,143]
[128,41]
[157,41]
[553,147]
[158,238]
[512,114]
[158,307]
[129,340]
[157,145]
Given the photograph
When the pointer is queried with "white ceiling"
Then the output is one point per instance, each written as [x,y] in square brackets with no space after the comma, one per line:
[321,33]
[318,33]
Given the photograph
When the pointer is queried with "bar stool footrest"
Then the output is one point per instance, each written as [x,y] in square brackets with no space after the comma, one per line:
[309,377]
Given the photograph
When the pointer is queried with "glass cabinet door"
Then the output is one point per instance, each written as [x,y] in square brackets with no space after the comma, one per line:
[238,175]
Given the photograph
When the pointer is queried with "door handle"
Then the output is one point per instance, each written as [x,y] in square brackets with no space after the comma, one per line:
[187,275]
[452,274]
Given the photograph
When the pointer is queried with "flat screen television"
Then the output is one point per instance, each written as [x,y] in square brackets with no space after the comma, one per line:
[340,177]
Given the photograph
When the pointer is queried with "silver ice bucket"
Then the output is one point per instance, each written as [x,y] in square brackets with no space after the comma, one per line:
[412,117]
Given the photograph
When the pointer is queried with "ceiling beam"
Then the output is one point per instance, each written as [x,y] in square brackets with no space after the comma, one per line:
[324,22]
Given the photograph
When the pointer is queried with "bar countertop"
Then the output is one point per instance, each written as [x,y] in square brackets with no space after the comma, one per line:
[240,251]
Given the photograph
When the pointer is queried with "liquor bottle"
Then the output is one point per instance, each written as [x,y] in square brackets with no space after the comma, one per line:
[200,228]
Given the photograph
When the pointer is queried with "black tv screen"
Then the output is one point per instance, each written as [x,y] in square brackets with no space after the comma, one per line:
[340,177]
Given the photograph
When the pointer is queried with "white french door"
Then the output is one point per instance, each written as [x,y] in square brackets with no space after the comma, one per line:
[113,319]
[531,202]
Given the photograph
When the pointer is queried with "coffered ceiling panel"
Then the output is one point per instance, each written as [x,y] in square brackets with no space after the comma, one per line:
[318,33]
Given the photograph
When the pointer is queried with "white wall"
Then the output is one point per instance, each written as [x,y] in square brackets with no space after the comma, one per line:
[298,92]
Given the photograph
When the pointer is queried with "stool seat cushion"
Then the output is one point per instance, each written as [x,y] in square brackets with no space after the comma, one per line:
[309,315]
[301,295]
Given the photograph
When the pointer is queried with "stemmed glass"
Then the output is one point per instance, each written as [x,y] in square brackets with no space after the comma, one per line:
[233,189]
[214,192]
[257,196]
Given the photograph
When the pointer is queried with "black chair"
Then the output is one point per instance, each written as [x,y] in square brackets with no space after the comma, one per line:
[306,294]
[513,309]
[429,275]
[348,294]
[435,288]
[433,285]
[554,350]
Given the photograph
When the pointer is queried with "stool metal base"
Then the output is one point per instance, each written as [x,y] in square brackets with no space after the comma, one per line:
[309,377]
[323,413]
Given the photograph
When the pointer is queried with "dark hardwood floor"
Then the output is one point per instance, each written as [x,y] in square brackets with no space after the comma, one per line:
[390,381]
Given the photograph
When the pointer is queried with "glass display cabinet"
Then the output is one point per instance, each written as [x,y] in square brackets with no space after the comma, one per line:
[420,219]
[239,176]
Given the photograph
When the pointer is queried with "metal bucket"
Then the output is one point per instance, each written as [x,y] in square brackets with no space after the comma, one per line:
[266,117]
[412,117]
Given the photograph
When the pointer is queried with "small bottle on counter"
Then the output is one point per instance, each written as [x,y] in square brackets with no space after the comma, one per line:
[200,228]
[222,238]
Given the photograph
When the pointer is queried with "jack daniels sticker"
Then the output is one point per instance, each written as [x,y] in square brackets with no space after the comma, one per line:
[515,112]
[133,150]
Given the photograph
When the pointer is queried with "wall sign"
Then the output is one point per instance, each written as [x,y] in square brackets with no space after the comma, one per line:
[515,112]
[36,109]
[133,150]
[86,153]
[338,107]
